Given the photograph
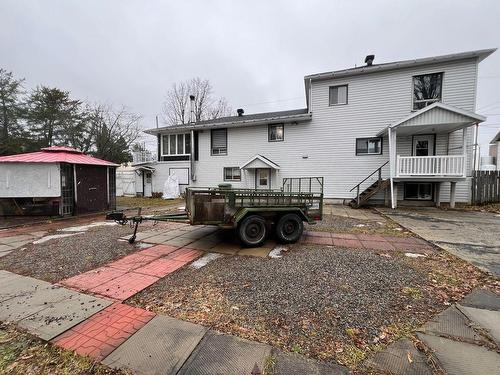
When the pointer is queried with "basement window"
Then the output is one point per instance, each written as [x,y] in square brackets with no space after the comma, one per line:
[338,95]
[232,174]
[369,146]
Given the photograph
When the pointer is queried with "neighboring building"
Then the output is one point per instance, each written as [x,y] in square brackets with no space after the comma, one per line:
[56,181]
[411,119]
[494,152]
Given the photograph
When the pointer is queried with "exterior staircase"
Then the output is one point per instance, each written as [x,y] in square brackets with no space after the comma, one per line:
[370,191]
[362,197]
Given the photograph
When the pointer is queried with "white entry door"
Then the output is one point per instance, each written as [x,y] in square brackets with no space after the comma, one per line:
[148,184]
[423,145]
[263,178]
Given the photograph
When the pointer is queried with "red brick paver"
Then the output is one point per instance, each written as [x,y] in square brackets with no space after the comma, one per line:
[160,267]
[92,279]
[133,261]
[185,255]
[124,286]
[99,335]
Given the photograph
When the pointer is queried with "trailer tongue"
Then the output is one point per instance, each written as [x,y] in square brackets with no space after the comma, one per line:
[252,213]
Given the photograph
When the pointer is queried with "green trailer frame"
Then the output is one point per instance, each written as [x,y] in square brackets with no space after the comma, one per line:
[228,208]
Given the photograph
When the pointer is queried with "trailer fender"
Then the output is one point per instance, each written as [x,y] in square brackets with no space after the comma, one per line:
[241,213]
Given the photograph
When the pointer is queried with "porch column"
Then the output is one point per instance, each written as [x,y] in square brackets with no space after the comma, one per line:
[392,163]
[438,194]
[395,201]
[453,189]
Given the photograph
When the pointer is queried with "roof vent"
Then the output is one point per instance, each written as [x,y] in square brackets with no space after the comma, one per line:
[240,111]
[369,60]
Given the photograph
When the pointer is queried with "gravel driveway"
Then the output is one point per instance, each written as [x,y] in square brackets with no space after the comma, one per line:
[319,301]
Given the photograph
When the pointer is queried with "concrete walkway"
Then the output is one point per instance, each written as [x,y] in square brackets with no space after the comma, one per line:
[472,236]
[128,337]
[464,339]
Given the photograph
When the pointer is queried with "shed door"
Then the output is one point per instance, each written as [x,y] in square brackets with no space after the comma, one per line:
[67,189]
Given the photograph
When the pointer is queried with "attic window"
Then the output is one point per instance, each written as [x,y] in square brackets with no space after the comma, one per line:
[338,95]
[427,89]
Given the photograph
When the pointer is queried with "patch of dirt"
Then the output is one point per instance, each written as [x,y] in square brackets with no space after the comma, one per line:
[21,353]
[325,302]
[61,258]
[342,224]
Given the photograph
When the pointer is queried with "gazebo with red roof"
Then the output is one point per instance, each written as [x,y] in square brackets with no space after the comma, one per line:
[56,180]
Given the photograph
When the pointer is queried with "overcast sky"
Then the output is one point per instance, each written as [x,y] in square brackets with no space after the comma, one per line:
[255,53]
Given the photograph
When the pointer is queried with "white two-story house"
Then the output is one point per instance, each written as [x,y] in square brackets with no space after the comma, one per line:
[398,132]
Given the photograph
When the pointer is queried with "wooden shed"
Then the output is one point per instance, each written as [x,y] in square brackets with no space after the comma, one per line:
[56,181]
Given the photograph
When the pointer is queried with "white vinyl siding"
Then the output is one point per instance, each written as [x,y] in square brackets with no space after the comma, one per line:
[325,145]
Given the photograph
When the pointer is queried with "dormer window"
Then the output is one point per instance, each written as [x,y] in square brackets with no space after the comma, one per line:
[427,89]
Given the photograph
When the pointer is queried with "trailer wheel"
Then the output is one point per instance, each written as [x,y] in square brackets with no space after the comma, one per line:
[289,228]
[253,231]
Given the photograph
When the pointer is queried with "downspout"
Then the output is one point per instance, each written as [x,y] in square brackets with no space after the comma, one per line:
[191,151]
[389,133]
[310,96]
[475,147]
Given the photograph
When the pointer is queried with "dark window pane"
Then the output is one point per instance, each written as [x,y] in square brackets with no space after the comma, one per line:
[422,148]
[164,139]
[180,144]
[173,144]
[368,146]
[187,141]
[219,141]
[276,132]
[338,95]
[427,89]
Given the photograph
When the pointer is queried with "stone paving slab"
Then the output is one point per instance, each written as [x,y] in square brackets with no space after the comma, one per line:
[487,319]
[482,299]
[160,347]
[451,322]
[31,299]
[459,358]
[99,335]
[395,359]
[58,317]
[294,364]
[224,354]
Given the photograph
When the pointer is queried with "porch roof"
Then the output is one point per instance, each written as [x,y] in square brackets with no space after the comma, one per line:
[259,161]
[435,118]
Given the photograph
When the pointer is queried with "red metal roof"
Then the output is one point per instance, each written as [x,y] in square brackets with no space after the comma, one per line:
[56,154]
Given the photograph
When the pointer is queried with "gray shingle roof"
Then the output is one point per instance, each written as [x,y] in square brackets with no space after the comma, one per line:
[256,118]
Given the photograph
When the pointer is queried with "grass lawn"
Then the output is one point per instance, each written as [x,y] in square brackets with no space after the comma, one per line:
[21,353]
[132,202]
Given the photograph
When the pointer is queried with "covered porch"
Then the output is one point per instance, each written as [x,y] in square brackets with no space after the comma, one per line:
[262,171]
[426,148]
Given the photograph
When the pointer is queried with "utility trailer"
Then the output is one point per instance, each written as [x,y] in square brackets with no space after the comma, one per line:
[252,213]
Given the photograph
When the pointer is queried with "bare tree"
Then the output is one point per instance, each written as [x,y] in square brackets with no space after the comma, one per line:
[176,108]
[112,132]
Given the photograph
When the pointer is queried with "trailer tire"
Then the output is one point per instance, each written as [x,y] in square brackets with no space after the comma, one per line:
[289,228]
[253,231]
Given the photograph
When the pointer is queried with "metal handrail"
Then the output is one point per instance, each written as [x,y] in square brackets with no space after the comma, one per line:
[379,170]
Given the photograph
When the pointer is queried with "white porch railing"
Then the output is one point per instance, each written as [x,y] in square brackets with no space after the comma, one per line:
[139,157]
[440,165]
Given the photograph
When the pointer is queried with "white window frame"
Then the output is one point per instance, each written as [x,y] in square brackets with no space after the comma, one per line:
[176,135]
[232,174]
[330,95]
[430,101]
